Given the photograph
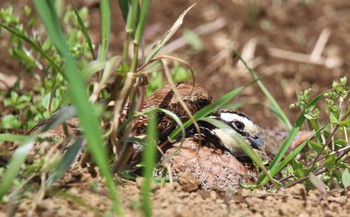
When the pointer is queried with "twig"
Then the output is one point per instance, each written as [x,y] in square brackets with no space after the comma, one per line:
[320,44]
[177,94]
[316,55]
[294,56]
[304,178]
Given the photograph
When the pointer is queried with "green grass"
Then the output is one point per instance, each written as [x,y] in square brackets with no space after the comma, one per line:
[57,56]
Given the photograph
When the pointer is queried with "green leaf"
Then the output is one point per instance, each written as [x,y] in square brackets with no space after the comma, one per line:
[235,105]
[105,12]
[17,159]
[333,119]
[124,7]
[149,156]
[298,168]
[345,178]
[10,121]
[180,74]
[309,117]
[340,142]
[315,146]
[344,123]
[330,161]
[154,83]
[84,30]
[46,102]
[14,97]
[92,68]
[276,169]
[131,19]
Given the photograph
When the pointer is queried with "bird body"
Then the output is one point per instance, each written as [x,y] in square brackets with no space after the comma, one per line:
[214,168]
[192,94]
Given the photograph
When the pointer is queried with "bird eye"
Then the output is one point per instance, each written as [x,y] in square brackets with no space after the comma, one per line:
[239,125]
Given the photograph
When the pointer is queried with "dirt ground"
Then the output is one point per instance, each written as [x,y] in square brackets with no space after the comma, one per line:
[292,45]
[175,200]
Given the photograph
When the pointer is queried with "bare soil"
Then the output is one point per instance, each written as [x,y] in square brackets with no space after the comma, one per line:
[262,33]
[79,194]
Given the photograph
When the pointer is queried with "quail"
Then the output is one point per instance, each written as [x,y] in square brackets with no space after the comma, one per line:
[216,160]
[213,157]
[239,122]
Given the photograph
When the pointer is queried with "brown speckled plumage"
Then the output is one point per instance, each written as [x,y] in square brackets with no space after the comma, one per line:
[214,168]
[194,96]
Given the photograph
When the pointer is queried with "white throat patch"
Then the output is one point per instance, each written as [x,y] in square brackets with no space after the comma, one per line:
[228,141]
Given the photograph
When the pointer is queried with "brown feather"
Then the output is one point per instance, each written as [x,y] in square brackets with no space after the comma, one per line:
[214,168]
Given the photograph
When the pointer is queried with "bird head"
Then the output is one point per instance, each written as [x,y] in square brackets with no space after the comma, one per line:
[239,122]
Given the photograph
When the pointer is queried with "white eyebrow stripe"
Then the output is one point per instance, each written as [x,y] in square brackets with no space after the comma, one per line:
[229,117]
[248,124]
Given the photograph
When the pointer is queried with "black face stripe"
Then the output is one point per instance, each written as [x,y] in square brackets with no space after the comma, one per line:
[207,132]
[233,124]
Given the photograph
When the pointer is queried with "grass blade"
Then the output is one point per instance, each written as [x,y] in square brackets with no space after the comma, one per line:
[86,114]
[93,67]
[131,21]
[288,141]
[149,155]
[145,4]
[281,115]
[159,44]
[15,164]
[84,30]
[275,170]
[105,12]
[67,160]
[167,112]
[60,117]
[7,137]
[124,7]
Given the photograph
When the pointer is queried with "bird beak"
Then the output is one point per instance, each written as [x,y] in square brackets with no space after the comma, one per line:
[256,141]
